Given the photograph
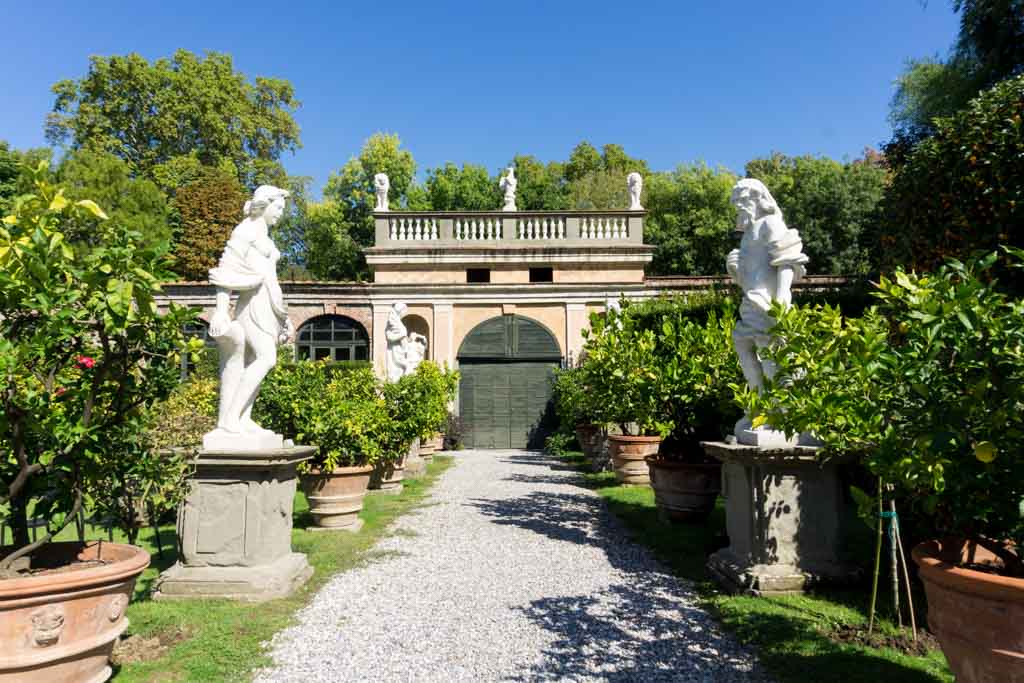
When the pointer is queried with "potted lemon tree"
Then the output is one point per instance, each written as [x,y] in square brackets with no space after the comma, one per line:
[928,388]
[84,357]
[624,374]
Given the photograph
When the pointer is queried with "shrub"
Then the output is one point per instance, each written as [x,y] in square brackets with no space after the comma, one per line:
[84,355]
[927,387]
[962,189]
[557,444]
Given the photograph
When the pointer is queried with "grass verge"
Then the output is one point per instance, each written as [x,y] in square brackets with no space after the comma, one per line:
[798,638]
[221,640]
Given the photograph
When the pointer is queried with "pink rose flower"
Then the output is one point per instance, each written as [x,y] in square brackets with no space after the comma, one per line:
[86,363]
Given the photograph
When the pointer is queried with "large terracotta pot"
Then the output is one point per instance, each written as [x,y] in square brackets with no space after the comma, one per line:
[335,498]
[976,616]
[61,627]
[387,476]
[684,492]
[593,441]
[628,454]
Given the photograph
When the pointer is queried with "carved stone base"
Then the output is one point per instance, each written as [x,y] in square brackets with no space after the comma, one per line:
[221,440]
[784,515]
[263,582]
[235,527]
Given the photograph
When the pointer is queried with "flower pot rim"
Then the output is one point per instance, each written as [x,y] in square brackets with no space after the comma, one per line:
[677,464]
[338,471]
[993,586]
[132,562]
[635,439]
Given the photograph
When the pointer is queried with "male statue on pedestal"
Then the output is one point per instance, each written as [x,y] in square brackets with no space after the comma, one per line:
[769,260]
[635,185]
[397,337]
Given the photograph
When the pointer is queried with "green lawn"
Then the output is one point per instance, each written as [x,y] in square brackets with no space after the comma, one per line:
[220,640]
[794,635]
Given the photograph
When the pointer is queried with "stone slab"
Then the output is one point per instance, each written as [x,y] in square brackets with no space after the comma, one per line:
[351,528]
[219,440]
[252,584]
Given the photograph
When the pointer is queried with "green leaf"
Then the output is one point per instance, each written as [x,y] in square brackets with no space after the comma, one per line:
[92,207]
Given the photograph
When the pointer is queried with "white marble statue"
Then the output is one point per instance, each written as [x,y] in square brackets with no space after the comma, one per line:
[612,304]
[398,342]
[635,183]
[381,184]
[248,339]
[508,185]
[415,352]
[769,260]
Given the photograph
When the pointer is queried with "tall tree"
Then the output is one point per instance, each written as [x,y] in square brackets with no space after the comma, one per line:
[332,253]
[150,114]
[210,208]
[469,188]
[130,202]
[690,219]
[541,187]
[989,48]
[16,171]
[833,205]
[352,186]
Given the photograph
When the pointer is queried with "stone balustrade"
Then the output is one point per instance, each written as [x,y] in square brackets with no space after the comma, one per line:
[508,228]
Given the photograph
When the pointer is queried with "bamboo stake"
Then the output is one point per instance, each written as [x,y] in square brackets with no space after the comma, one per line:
[894,565]
[878,563]
[906,578]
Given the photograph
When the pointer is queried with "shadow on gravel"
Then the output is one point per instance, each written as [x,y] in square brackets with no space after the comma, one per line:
[643,631]
[573,479]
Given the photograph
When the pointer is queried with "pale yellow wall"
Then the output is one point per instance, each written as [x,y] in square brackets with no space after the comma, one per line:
[597,274]
[426,276]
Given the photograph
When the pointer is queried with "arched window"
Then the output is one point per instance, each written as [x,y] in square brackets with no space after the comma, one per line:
[201,330]
[332,337]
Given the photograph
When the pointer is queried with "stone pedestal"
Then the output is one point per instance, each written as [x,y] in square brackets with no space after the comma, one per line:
[784,515]
[235,528]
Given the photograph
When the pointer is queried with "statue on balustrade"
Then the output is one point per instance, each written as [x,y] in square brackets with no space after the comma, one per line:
[769,260]
[248,338]
[381,184]
[397,337]
[635,183]
[508,185]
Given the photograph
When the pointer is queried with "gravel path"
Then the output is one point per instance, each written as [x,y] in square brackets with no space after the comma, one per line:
[511,572]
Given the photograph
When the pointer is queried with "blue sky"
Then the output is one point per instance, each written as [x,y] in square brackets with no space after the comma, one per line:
[480,82]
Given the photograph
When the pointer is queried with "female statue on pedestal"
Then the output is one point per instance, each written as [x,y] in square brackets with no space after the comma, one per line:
[397,337]
[248,342]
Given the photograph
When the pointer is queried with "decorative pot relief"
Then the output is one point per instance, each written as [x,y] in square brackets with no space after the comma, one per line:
[117,607]
[47,625]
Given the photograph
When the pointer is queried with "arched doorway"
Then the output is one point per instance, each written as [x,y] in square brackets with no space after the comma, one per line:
[506,366]
[332,337]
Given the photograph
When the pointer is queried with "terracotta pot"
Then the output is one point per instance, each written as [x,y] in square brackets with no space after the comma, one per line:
[976,616]
[684,492]
[61,627]
[335,498]
[387,476]
[628,455]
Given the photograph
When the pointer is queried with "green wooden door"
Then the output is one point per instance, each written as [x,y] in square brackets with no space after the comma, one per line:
[507,366]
